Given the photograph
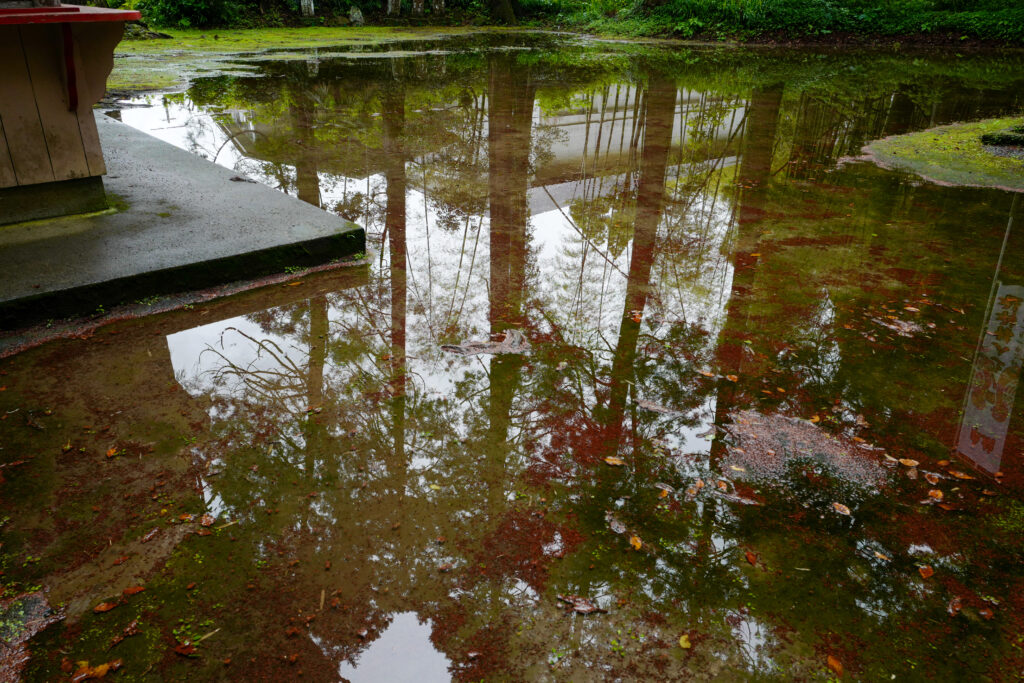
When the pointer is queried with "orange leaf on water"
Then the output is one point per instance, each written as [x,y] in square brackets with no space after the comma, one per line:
[612,460]
[841,509]
[751,558]
[732,378]
[926,571]
[908,462]
[960,475]
[207,519]
[104,607]
[636,542]
[936,494]
[835,665]
[132,590]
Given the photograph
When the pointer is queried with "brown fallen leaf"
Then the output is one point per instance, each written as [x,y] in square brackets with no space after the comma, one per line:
[90,673]
[131,629]
[936,494]
[207,519]
[954,606]
[104,607]
[841,509]
[960,475]
[579,604]
[612,460]
[942,463]
[132,590]
[988,492]
[908,462]
[706,373]
[815,419]
[932,478]
[185,649]
[835,665]
[186,517]
[111,452]
[732,378]
[636,542]
[986,613]
[751,558]
[151,534]
[883,556]
[925,571]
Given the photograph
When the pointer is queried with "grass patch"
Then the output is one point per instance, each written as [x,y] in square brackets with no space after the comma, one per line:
[953,155]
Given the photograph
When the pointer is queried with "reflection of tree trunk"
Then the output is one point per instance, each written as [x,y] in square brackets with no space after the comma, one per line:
[752,180]
[394,7]
[417,8]
[657,122]
[394,223]
[510,127]
[307,179]
[314,433]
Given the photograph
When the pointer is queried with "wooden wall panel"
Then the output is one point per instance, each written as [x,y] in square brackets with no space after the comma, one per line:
[43,45]
[24,132]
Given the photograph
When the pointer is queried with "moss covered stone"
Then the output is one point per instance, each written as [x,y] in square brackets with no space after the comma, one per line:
[953,155]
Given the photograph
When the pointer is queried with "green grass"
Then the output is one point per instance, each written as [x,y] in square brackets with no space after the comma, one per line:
[953,155]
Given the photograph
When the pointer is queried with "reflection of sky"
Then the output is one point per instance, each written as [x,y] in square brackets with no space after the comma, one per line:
[581,284]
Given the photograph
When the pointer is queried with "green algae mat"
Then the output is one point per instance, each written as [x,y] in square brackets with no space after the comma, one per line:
[953,155]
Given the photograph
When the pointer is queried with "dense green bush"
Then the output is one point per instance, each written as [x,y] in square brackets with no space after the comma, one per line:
[190,13]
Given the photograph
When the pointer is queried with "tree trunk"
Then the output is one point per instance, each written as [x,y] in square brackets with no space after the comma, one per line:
[437,6]
[501,11]
[394,7]
[417,8]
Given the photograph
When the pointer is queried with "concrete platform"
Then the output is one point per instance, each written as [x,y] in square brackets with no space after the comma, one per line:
[181,223]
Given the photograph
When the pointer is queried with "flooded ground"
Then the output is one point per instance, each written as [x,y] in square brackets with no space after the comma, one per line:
[642,382]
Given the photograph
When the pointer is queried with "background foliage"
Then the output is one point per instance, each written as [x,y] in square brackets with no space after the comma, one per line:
[998,20]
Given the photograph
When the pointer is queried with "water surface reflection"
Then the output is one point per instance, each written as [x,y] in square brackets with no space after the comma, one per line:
[732,340]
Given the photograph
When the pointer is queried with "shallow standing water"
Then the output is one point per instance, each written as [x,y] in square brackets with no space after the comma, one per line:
[760,421]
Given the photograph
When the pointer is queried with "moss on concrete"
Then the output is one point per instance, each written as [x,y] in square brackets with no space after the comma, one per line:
[953,155]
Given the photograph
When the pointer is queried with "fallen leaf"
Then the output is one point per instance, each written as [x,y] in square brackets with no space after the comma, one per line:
[835,665]
[883,556]
[185,649]
[960,475]
[925,571]
[942,463]
[841,509]
[207,519]
[706,373]
[579,604]
[132,590]
[987,492]
[737,468]
[186,517]
[936,494]
[636,542]
[954,606]
[815,419]
[986,613]
[722,485]
[104,607]
[89,673]
[663,494]
[295,284]
[131,629]
[732,378]
[684,641]
[446,567]
[151,534]
[909,462]
[751,558]
[931,478]
[612,460]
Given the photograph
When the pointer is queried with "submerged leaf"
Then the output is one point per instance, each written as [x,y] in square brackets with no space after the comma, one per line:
[908,462]
[936,494]
[684,641]
[926,571]
[636,542]
[841,509]
[835,665]
[579,604]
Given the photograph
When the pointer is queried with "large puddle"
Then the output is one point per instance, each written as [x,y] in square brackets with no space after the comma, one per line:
[641,383]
